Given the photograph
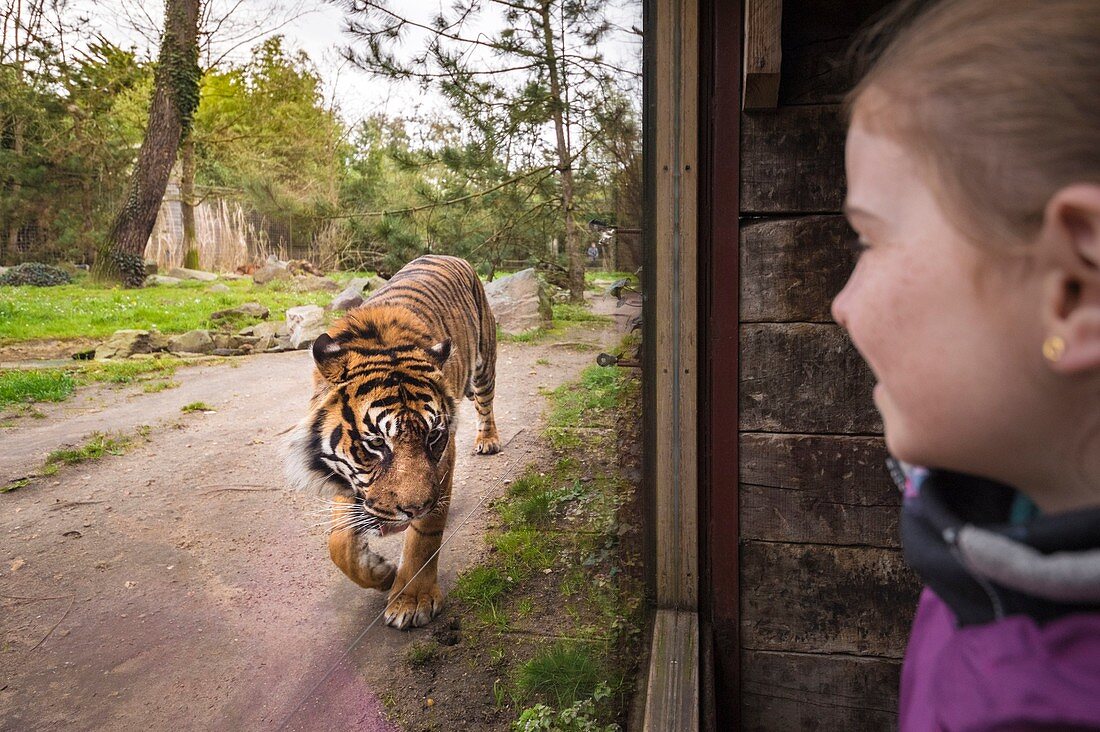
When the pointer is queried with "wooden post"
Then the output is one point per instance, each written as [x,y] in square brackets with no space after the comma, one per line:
[763,53]
[673,688]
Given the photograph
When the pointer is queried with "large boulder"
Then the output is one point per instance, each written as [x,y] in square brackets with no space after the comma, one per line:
[35,274]
[192,274]
[126,343]
[193,341]
[305,323]
[519,302]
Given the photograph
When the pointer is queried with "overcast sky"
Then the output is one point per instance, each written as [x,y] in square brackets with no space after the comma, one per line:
[313,26]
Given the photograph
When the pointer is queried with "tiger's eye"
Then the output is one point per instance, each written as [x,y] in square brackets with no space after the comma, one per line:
[376,442]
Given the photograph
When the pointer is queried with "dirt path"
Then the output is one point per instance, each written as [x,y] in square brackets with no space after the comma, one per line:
[180,587]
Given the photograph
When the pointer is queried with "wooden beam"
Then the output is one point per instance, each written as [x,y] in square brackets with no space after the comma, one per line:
[676,167]
[672,692]
[763,54]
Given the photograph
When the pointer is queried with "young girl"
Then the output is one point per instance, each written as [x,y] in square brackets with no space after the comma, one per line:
[973,163]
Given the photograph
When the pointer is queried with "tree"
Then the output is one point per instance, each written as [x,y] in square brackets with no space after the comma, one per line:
[175,98]
[540,78]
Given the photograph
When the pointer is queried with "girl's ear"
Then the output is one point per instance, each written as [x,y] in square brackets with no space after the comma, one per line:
[1071,310]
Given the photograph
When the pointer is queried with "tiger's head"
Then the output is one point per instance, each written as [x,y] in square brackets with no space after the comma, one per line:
[380,420]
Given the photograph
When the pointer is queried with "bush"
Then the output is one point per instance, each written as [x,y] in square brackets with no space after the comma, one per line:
[35,274]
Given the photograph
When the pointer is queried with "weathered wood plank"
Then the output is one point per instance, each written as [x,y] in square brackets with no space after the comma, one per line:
[795,691]
[676,168]
[792,160]
[814,488]
[763,53]
[672,691]
[825,599]
[791,269]
[804,378]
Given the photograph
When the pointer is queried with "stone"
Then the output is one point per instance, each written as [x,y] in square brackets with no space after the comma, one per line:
[192,274]
[3,270]
[269,329]
[151,267]
[126,343]
[154,280]
[248,309]
[219,287]
[304,324]
[193,341]
[519,302]
[376,283]
[227,352]
[351,297]
[222,341]
[231,276]
[271,271]
[244,342]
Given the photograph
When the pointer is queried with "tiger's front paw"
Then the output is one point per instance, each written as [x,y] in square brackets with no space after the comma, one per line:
[413,609]
[487,445]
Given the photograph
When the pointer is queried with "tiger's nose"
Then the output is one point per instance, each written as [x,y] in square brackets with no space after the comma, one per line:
[416,510]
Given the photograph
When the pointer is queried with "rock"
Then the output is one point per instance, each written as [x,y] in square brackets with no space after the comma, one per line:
[3,270]
[227,352]
[271,271]
[519,302]
[219,287]
[126,343]
[244,342]
[222,341]
[313,283]
[376,283]
[193,341]
[231,276]
[248,309]
[280,344]
[305,323]
[192,274]
[153,280]
[151,267]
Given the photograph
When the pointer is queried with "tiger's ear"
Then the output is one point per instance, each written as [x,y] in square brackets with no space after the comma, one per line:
[441,351]
[329,357]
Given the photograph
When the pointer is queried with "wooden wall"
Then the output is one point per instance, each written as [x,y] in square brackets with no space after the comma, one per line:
[825,601]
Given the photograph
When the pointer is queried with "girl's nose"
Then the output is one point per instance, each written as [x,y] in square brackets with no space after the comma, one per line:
[840,305]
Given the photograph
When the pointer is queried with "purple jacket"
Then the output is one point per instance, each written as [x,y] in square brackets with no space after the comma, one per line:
[1007,633]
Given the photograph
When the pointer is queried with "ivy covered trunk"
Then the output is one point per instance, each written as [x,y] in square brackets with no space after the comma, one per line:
[175,97]
[187,202]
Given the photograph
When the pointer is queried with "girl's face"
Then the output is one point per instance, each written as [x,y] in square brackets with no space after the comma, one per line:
[950,330]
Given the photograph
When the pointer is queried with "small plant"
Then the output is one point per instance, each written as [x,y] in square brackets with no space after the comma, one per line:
[196,407]
[542,361]
[582,716]
[421,653]
[481,586]
[154,386]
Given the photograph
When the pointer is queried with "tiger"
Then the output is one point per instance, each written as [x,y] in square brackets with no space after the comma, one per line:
[378,440]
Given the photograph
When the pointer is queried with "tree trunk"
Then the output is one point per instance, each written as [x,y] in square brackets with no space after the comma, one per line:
[187,202]
[175,97]
[573,241]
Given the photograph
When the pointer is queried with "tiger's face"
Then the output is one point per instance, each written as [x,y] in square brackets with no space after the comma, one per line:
[379,429]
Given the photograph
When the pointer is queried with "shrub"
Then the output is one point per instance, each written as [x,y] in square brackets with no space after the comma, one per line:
[35,274]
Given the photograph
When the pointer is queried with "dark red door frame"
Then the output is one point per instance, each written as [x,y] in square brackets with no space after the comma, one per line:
[719,204]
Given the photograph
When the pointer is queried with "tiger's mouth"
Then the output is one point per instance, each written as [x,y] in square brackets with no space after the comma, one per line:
[390,528]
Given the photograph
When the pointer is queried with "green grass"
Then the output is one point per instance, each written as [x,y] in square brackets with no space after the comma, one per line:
[154,386]
[568,313]
[196,407]
[19,387]
[87,310]
[565,315]
[481,587]
[40,385]
[564,674]
[588,404]
[99,445]
[421,653]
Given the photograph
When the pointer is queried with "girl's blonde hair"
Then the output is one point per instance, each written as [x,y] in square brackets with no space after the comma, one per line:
[1000,99]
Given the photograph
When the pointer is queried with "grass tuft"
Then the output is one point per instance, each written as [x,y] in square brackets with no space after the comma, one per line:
[97,446]
[196,407]
[564,673]
[27,387]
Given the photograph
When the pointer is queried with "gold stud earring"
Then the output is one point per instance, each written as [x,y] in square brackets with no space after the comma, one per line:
[1054,348]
